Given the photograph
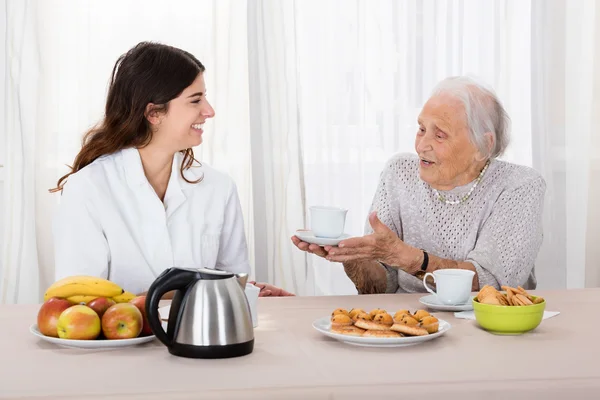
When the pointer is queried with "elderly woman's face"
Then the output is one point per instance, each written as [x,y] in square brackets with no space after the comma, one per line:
[448,157]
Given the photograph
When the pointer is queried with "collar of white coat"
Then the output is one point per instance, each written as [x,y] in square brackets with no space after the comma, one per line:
[134,171]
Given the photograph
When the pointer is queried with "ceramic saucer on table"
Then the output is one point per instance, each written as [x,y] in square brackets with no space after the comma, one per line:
[309,237]
[433,303]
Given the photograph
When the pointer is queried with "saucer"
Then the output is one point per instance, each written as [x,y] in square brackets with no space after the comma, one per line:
[309,237]
[432,302]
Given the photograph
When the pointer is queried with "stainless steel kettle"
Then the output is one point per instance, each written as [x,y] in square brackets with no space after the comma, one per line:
[209,315]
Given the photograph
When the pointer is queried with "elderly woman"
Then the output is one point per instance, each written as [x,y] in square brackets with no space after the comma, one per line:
[453,205]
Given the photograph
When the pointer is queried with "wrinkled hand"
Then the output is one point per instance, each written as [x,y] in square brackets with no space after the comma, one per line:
[382,245]
[267,290]
[309,247]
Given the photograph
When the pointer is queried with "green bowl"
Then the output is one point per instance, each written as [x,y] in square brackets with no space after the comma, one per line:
[508,320]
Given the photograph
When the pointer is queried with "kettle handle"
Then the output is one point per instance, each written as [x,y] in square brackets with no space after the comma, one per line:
[170,279]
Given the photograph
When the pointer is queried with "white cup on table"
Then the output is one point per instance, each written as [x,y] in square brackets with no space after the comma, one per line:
[453,286]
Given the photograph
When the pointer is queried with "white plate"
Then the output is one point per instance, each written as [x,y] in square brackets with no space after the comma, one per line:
[323,325]
[309,237]
[91,344]
[432,302]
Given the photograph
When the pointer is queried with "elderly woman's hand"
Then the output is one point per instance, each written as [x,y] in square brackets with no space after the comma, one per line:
[309,247]
[381,245]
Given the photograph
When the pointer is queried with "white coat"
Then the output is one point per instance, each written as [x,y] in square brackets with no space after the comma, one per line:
[111,223]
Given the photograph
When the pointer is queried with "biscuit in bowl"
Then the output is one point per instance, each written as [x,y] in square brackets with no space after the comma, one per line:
[382,334]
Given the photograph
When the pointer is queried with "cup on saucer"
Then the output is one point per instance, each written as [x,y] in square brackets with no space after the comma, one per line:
[453,286]
[327,222]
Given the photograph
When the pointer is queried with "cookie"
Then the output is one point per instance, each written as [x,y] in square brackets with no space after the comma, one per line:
[371,325]
[382,334]
[347,330]
[409,330]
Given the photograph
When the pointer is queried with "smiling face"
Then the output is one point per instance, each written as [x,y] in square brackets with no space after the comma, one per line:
[448,156]
[181,127]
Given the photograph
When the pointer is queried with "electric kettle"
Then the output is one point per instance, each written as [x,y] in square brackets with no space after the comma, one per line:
[209,316]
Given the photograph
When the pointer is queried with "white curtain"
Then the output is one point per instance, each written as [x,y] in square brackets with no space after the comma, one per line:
[59,58]
[311,98]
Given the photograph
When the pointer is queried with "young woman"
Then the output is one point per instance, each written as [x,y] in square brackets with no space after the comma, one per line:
[136,201]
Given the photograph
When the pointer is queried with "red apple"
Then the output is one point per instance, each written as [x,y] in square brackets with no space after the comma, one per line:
[78,322]
[122,321]
[140,303]
[48,315]
[100,305]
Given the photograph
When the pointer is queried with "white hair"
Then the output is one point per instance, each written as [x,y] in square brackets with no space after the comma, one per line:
[484,112]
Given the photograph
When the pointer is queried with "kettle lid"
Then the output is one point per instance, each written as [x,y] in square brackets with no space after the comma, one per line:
[210,274]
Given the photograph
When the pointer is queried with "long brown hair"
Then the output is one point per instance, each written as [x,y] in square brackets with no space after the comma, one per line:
[147,73]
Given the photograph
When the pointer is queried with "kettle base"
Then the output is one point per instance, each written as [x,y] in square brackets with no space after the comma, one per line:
[215,351]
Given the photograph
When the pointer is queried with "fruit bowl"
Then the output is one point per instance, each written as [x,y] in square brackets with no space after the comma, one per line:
[508,319]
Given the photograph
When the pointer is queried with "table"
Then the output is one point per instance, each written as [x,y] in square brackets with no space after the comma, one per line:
[291,360]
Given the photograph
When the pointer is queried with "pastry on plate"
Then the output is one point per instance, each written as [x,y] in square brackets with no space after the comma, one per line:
[347,330]
[340,311]
[430,324]
[382,334]
[363,316]
[355,311]
[399,314]
[340,320]
[420,314]
[409,330]
[375,311]
[407,320]
[371,325]
[384,319]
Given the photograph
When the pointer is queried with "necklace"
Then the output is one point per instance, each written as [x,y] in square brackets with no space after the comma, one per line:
[465,197]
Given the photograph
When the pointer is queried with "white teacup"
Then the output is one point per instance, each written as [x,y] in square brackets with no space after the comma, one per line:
[327,222]
[252,292]
[453,286]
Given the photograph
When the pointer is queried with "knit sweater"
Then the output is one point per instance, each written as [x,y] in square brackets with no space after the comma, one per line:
[498,228]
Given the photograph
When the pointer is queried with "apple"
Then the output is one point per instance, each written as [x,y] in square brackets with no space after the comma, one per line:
[140,303]
[100,305]
[78,322]
[122,321]
[48,315]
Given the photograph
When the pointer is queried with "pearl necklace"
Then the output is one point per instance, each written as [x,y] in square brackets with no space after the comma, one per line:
[465,197]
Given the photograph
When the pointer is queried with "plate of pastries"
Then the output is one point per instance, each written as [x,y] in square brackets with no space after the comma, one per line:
[381,328]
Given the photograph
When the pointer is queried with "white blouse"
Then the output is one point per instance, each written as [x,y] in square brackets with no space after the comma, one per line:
[112,224]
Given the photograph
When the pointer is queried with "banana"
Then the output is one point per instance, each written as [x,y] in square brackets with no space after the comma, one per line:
[81,298]
[124,297]
[83,285]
